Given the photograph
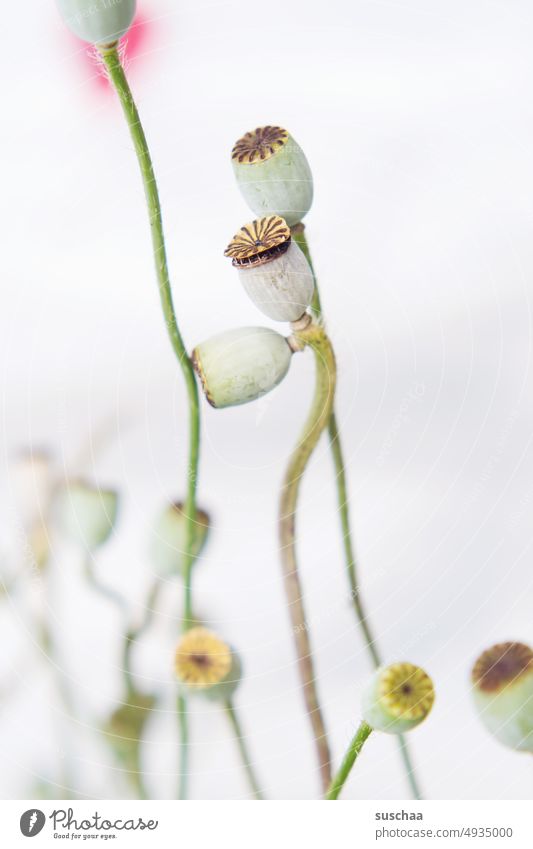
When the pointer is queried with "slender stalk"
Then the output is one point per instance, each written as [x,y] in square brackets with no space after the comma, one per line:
[318,417]
[99,587]
[298,234]
[183,720]
[243,750]
[361,735]
[409,767]
[111,59]
[133,634]
[48,647]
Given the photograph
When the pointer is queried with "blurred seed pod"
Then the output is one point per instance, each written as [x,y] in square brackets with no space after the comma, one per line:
[502,680]
[97,21]
[273,174]
[169,538]
[32,478]
[206,665]
[241,365]
[397,698]
[272,268]
[33,482]
[86,514]
[125,727]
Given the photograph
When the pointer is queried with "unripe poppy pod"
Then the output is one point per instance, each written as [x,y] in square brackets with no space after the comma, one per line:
[502,680]
[397,698]
[241,365]
[169,538]
[98,21]
[87,515]
[272,268]
[273,174]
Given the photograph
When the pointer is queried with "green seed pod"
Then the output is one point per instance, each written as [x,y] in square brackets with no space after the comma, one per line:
[397,698]
[98,21]
[502,680]
[206,665]
[273,174]
[168,540]
[241,365]
[87,515]
[272,268]
[125,727]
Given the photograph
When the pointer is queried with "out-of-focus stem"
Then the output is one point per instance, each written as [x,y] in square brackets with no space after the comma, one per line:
[243,750]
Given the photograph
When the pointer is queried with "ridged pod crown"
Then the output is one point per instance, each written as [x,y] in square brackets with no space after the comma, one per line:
[259,241]
[206,664]
[398,698]
[502,685]
[273,174]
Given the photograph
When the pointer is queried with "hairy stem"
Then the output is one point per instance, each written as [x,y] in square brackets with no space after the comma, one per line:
[318,417]
[298,234]
[111,59]
[243,750]
[361,735]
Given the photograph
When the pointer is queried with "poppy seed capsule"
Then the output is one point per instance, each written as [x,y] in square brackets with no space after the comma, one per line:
[87,515]
[97,21]
[502,680]
[241,365]
[397,698]
[273,174]
[207,665]
[272,268]
[169,539]
[125,727]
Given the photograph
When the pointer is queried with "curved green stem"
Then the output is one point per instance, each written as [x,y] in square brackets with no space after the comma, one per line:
[102,589]
[133,634]
[317,420]
[298,234]
[117,76]
[361,735]
[243,750]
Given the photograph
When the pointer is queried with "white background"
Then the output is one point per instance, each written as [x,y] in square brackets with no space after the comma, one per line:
[417,119]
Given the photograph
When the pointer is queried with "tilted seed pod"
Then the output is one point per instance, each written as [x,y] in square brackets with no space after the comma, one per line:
[87,514]
[272,268]
[397,698]
[273,174]
[169,538]
[125,727]
[241,365]
[502,680]
[98,21]
[206,665]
